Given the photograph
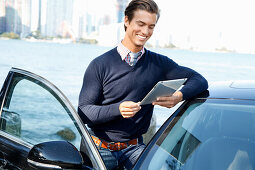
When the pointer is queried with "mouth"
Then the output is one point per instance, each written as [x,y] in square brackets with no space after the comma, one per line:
[141,37]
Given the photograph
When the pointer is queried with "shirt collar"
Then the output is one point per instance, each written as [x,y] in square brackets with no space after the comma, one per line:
[123,51]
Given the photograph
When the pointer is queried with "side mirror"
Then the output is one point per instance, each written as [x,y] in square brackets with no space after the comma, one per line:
[55,155]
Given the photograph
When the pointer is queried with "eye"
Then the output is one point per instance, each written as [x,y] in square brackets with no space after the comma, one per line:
[152,27]
[140,24]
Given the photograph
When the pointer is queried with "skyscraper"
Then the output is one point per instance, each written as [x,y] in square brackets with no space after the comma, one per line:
[2,16]
[18,16]
[25,16]
[121,5]
[58,15]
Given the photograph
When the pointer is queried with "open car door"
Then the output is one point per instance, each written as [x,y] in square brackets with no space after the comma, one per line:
[33,111]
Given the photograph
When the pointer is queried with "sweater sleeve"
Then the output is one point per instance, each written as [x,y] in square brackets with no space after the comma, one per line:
[90,109]
[195,83]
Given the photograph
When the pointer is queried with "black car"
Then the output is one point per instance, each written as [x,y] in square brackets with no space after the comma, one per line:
[213,131]
[40,129]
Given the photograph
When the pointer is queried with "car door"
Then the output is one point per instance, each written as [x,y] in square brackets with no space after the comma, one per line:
[33,111]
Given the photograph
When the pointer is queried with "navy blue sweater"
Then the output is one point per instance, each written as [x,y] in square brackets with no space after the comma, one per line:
[108,81]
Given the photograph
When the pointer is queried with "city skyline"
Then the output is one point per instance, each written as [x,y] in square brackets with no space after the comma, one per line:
[197,24]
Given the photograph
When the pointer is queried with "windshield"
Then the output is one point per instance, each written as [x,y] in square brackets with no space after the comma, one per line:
[207,135]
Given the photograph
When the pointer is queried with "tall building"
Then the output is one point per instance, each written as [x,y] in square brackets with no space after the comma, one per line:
[121,5]
[25,16]
[11,16]
[16,17]
[34,15]
[19,16]
[79,23]
[2,16]
[57,18]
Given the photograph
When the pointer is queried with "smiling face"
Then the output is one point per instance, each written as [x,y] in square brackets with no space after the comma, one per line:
[139,29]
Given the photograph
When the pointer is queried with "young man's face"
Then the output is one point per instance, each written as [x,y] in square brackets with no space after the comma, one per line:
[139,29]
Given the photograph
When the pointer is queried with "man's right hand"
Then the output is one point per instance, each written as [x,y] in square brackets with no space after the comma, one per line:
[128,108]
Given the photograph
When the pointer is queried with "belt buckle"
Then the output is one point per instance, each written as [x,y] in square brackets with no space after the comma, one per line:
[108,145]
[118,146]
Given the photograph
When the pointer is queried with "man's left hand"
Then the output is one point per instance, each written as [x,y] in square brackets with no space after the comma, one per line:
[169,101]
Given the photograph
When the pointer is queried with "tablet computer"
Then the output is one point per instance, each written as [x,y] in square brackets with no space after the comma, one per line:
[163,88]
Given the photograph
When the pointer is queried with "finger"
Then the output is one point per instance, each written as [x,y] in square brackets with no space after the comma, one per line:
[164,98]
[126,117]
[126,109]
[129,104]
[136,106]
[164,104]
[128,114]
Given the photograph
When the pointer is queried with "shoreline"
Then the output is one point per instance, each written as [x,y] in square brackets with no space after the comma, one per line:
[70,41]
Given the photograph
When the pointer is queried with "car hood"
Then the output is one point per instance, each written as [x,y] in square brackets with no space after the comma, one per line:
[243,89]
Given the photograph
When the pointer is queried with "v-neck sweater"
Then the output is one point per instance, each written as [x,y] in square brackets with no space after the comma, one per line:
[109,81]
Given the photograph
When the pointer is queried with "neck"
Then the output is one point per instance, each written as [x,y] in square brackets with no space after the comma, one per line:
[131,46]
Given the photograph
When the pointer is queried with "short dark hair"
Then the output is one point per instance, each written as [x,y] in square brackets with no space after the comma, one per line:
[147,5]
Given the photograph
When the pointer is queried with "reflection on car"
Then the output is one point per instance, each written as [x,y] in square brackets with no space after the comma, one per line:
[40,129]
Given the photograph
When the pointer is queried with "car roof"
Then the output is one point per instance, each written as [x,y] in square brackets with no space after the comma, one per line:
[241,89]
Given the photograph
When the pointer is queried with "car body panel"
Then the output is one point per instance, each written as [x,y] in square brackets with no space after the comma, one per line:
[232,90]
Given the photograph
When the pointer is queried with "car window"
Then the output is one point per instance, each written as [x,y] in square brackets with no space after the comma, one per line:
[35,114]
[197,136]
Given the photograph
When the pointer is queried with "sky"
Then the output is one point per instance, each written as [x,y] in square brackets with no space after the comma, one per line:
[206,20]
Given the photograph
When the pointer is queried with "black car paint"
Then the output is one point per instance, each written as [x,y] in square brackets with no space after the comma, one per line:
[65,155]
[243,90]
[13,152]
[4,88]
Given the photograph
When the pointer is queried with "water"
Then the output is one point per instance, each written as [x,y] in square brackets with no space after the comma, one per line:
[64,64]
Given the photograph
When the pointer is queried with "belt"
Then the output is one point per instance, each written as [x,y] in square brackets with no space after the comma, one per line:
[113,146]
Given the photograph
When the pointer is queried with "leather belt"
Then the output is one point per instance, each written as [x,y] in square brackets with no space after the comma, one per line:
[113,146]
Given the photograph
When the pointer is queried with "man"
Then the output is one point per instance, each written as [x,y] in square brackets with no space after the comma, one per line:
[115,82]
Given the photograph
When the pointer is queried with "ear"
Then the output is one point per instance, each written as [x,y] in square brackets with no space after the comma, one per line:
[126,21]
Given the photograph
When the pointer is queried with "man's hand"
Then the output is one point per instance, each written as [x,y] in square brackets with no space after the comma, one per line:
[169,101]
[128,108]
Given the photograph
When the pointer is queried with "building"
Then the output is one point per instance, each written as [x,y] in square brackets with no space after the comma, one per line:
[2,16]
[12,16]
[56,17]
[19,16]
[121,6]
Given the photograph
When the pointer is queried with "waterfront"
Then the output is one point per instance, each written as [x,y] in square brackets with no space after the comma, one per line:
[64,64]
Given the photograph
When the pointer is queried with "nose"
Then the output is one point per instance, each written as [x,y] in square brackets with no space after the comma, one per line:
[145,30]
